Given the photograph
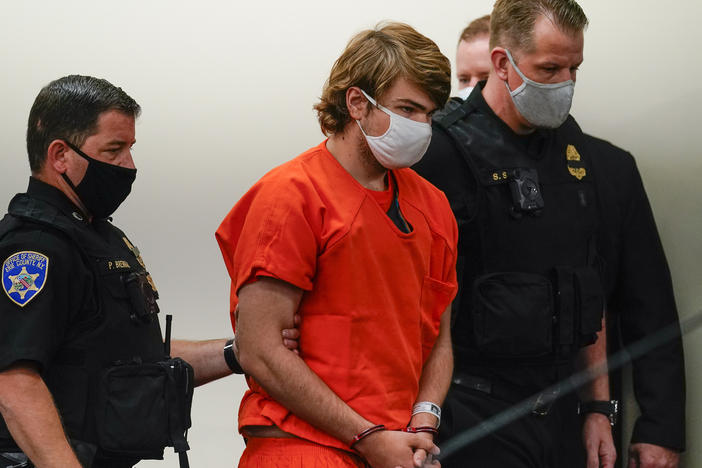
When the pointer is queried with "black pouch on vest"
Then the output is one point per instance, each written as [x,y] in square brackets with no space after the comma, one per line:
[143,408]
[513,315]
[581,304]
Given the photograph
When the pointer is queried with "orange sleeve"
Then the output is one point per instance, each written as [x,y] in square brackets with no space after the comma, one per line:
[271,232]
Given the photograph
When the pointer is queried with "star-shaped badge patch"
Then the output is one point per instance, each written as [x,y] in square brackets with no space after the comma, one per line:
[24,276]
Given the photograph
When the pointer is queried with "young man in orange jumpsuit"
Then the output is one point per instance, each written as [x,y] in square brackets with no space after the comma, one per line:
[364,250]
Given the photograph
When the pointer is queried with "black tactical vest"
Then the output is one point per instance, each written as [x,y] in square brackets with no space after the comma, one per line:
[111,381]
[530,288]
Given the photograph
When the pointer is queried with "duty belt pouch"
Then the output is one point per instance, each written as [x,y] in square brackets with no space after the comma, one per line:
[143,408]
[580,306]
[513,315]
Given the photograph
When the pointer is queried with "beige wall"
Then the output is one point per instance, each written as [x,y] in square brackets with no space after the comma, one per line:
[227,90]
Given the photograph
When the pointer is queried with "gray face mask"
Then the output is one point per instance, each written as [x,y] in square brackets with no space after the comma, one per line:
[542,105]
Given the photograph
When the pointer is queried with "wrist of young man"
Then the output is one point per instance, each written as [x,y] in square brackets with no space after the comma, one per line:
[361,440]
[424,419]
[426,413]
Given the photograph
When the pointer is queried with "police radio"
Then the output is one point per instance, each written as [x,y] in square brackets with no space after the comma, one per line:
[526,191]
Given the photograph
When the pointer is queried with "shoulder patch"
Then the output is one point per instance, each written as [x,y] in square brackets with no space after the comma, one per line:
[24,276]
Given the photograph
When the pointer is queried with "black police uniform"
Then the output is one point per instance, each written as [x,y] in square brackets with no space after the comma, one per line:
[552,226]
[80,304]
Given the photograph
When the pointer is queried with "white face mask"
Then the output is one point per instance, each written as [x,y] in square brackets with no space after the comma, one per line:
[465,92]
[542,105]
[403,144]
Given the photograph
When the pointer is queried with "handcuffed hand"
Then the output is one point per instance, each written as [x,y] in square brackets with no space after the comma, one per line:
[397,449]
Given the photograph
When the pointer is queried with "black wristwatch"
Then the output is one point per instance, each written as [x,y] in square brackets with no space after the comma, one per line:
[230,357]
[608,408]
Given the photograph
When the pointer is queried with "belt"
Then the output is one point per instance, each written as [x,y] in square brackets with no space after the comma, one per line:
[265,432]
[541,402]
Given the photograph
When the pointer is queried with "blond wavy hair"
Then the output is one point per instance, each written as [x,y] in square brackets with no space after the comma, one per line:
[373,60]
[512,21]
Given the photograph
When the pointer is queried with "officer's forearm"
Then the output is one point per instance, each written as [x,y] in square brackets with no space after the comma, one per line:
[206,357]
[28,409]
[437,371]
[595,355]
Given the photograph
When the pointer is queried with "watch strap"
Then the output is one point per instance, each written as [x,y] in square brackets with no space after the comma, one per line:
[608,408]
[230,357]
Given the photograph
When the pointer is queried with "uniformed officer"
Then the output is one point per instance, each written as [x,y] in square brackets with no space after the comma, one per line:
[655,425]
[553,224]
[85,378]
[472,55]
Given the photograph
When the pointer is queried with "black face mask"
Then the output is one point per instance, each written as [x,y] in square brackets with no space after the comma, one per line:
[104,186]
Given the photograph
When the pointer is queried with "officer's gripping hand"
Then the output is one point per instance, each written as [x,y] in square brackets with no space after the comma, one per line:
[291,336]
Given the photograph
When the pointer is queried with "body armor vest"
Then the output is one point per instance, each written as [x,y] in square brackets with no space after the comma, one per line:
[111,380]
[530,289]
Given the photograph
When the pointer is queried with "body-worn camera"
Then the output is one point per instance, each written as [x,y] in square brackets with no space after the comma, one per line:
[142,296]
[526,192]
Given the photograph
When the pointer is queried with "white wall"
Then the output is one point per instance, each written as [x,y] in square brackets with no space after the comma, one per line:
[227,90]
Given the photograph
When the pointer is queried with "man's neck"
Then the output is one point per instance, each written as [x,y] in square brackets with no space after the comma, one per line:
[347,150]
[55,180]
[497,97]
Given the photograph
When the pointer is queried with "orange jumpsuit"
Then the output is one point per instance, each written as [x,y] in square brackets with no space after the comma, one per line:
[373,295]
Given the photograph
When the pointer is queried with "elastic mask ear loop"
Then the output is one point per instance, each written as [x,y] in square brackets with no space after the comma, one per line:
[516,68]
[79,153]
[372,102]
[377,106]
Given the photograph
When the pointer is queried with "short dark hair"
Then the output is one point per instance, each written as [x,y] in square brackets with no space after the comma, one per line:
[69,108]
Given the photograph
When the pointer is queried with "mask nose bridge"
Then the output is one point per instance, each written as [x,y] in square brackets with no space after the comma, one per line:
[130,160]
[526,80]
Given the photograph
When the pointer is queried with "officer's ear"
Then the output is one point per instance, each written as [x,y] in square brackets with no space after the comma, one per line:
[56,156]
[356,103]
[500,62]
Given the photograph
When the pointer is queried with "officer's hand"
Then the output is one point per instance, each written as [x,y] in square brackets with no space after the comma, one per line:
[394,449]
[291,336]
[652,456]
[597,438]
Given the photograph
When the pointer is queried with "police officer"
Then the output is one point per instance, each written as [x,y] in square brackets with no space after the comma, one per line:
[85,378]
[553,225]
[472,55]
